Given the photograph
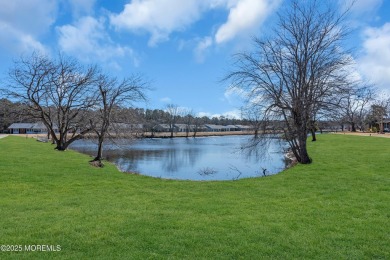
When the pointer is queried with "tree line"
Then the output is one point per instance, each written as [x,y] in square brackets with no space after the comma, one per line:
[15,112]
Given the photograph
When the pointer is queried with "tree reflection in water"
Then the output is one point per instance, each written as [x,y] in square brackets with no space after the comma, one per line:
[209,158]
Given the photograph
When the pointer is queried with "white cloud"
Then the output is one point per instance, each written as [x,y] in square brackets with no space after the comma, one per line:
[375,62]
[23,22]
[233,114]
[17,41]
[166,100]
[162,17]
[361,12]
[360,7]
[33,16]
[88,40]
[82,7]
[201,48]
[244,17]
[234,94]
[158,17]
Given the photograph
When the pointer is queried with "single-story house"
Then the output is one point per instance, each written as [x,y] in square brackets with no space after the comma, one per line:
[164,128]
[215,128]
[386,124]
[231,128]
[28,128]
[184,127]
[127,127]
[244,127]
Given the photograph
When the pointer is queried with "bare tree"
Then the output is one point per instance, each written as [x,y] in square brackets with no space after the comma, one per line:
[379,110]
[173,113]
[197,125]
[297,71]
[113,93]
[188,120]
[354,106]
[253,115]
[56,91]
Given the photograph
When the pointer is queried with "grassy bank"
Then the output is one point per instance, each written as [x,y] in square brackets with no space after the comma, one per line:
[336,208]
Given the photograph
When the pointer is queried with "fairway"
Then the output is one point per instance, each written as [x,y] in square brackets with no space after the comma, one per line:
[336,208]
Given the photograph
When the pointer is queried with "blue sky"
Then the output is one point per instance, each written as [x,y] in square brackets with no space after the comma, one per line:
[183,47]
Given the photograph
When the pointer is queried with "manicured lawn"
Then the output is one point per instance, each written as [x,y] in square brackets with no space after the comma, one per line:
[336,208]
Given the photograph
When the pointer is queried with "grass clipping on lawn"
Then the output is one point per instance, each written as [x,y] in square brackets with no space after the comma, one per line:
[336,208]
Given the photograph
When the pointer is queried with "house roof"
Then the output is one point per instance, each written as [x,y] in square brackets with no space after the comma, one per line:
[21,125]
[164,126]
[243,126]
[214,126]
[181,125]
[37,125]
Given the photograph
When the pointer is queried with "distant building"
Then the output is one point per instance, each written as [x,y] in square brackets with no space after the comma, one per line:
[28,128]
[244,128]
[215,128]
[164,128]
[231,128]
[386,124]
[184,128]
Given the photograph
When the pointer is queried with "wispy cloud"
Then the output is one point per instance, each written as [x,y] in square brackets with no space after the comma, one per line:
[165,100]
[233,114]
[88,40]
[374,62]
[22,23]
[82,7]
[361,7]
[201,48]
[244,17]
[159,18]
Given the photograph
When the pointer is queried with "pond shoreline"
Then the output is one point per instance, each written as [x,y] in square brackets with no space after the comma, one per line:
[199,159]
[191,135]
[156,135]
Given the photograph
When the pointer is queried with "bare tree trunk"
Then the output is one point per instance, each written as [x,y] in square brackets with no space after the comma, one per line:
[171,131]
[99,155]
[313,134]
[304,156]
[353,127]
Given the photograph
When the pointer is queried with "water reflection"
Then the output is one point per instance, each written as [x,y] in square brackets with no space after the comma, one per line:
[208,158]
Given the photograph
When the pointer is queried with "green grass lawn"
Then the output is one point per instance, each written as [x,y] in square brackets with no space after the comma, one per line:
[336,208]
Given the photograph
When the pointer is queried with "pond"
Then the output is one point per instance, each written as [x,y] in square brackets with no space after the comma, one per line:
[201,158]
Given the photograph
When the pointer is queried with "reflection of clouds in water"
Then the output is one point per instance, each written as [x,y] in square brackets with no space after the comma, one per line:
[214,158]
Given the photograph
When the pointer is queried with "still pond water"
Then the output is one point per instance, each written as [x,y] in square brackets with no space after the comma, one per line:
[201,158]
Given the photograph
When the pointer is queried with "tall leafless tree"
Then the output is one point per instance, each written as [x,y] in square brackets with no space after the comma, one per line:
[354,106]
[188,120]
[253,114]
[294,73]
[59,92]
[113,93]
[379,110]
[197,123]
[173,113]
